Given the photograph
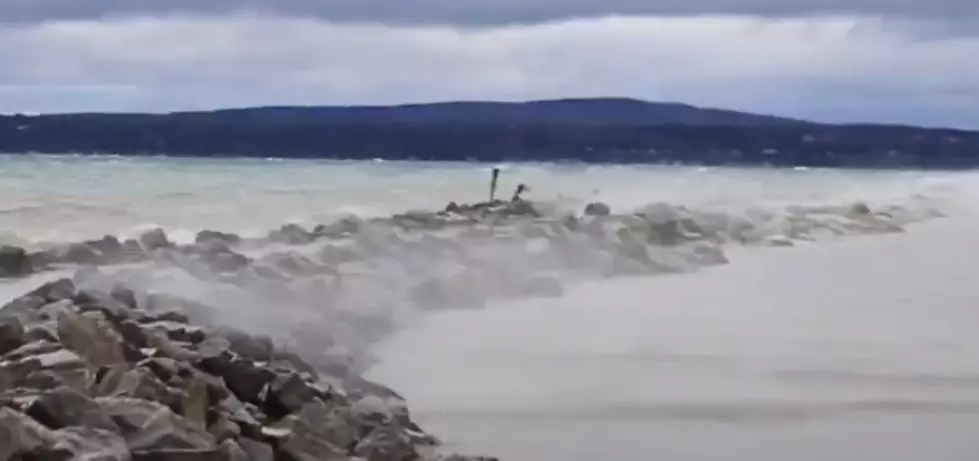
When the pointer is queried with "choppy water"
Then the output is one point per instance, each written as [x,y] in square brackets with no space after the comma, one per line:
[858,349]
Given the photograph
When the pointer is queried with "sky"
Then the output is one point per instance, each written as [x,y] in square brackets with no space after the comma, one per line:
[895,61]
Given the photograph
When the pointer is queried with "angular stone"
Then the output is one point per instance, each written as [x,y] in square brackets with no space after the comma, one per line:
[64,407]
[318,432]
[92,300]
[54,291]
[196,402]
[211,235]
[257,451]
[287,394]
[597,209]
[166,430]
[12,334]
[21,436]
[257,348]
[247,381]
[89,444]
[154,240]
[54,309]
[128,413]
[139,383]
[14,262]
[124,295]
[80,253]
[386,443]
[95,341]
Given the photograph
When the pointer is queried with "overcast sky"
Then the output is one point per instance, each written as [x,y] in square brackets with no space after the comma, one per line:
[834,60]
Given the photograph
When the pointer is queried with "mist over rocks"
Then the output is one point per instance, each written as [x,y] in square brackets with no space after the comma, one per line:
[231,345]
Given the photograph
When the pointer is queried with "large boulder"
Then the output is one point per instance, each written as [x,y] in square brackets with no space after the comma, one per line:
[154,239]
[12,334]
[64,407]
[14,262]
[597,209]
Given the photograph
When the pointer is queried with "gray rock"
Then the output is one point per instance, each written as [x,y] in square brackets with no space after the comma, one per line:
[317,433]
[21,436]
[12,334]
[58,290]
[597,209]
[89,444]
[128,413]
[386,443]
[252,347]
[231,451]
[292,234]
[80,253]
[109,247]
[257,451]
[64,407]
[92,339]
[288,393]
[211,235]
[14,262]
[154,240]
[166,430]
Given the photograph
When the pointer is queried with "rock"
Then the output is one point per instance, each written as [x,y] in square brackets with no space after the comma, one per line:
[257,348]
[597,209]
[386,443]
[292,234]
[247,381]
[211,235]
[196,402]
[95,341]
[95,301]
[90,444]
[287,394]
[139,383]
[109,248]
[21,436]
[227,262]
[154,240]
[80,253]
[12,334]
[64,407]
[124,295]
[58,290]
[256,451]
[231,451]
[14,262]
[317,433]
[151,427]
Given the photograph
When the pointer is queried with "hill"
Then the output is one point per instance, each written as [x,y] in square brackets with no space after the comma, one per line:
[589,130]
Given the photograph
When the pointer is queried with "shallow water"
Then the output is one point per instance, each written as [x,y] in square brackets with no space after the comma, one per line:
[856,349]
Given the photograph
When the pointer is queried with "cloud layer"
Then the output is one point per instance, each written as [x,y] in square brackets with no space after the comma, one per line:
[829,68]
[481,12]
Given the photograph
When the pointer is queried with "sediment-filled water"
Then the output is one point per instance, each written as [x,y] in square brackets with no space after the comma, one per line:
[822,334]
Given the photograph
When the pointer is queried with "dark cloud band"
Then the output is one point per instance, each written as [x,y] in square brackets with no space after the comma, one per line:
[480,12]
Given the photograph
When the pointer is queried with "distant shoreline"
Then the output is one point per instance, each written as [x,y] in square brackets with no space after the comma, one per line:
[604,130]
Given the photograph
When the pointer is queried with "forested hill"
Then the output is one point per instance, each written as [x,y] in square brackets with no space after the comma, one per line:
[591,130]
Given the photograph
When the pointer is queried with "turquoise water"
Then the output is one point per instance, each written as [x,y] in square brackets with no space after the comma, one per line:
[57,198]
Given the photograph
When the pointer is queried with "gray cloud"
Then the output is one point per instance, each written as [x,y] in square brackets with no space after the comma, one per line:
[835,69]
[483,12]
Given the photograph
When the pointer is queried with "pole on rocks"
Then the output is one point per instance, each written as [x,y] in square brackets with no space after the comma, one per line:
[495,177]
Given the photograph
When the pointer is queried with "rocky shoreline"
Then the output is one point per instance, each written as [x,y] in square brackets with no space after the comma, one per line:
[111,366]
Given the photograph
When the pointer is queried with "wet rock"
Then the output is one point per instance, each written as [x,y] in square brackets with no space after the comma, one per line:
[212,235]
[292,234]
[165,430]
[89,444]
[247,381]
[597,209]
[94,340]
[287,394]
[138,383]
[124,295]
[14,262]
[257,348]
[256,451]
[21,436]
[196,402]
[79,253]
[154,240]
[12,334]
[128,413]
[386,443]
[63,407]
[227,262]
[109,248]
[95,301]
[58,290]
[318,432]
